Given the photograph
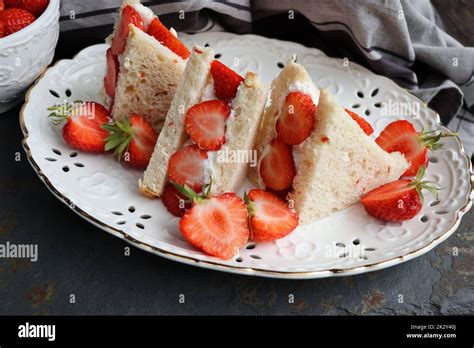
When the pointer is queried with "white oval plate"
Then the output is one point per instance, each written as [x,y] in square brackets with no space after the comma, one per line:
[105,193]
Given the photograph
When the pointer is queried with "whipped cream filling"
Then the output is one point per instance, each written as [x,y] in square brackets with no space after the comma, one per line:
[145,13]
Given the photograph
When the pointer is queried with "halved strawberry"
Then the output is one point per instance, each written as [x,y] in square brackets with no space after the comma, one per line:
[218,225]
[133,140]
[166,38]
[226,81]
[270,217]
[174,200]
[401,136]
[297,118]
[205,124]
[277,167]
[363,124]
[83,129]
[110,79]
[129,16]
[186,167]
[399,200]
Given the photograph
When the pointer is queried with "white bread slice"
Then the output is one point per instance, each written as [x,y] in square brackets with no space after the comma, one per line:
[339,164]
[149,73]
[189,91]
[241,133]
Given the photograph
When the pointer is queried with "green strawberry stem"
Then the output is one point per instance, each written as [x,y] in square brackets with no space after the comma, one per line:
[421,184]
[249,204]
[119,138]
[430,139]
[194,197]
[61,112]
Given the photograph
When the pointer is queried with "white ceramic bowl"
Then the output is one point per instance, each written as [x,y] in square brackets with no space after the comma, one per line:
[25,54]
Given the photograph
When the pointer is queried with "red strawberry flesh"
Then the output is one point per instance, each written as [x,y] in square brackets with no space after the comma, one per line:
[166,38]
[218,225]
[129,16]
[186,167]
[277,167]
[206,124]
[226,81]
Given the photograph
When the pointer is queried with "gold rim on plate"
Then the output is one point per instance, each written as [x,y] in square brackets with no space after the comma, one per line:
[247,270]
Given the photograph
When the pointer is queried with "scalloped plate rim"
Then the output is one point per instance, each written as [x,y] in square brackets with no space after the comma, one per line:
[236,269]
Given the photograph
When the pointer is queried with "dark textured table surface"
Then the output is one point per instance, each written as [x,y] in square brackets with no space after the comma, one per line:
[76,258]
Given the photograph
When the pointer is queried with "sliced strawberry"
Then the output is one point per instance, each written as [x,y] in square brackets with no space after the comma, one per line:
[226,81]
[205,124]
[401,136]
[166,38]
[270,217]
[186,167]
[277,167]
[110,79]
[129,16]
[83,129]
[363,124]
[174,201]
[297,118]
[218,225]
[399,200]
[2,5]
[15,19]
[133,140]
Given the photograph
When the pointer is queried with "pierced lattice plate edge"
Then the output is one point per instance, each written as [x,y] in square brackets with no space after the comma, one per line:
[251,270]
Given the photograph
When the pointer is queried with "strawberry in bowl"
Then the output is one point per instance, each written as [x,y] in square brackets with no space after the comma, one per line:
[29,31]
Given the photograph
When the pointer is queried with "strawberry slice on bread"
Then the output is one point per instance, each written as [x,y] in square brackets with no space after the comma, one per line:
[166,38]
[297,118]
[205,123]
[402,136]
[226,81]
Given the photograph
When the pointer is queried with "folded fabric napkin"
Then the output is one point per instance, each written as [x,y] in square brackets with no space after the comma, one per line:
[403,40]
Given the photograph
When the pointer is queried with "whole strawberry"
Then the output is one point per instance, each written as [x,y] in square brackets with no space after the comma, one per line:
[83,129]
[133,140]
[217,225]
[15,19]
[398,200]
[35,7]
